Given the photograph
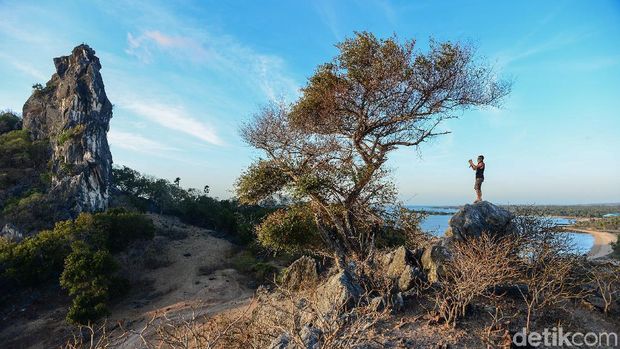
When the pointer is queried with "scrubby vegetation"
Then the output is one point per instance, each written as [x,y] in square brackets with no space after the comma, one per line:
[490,288]
[150,194]
[605,224]
[24,177]
[9,121]
[573,210]
[78,253]
[20,157]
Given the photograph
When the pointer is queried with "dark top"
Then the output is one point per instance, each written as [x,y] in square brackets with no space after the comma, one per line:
[480,171]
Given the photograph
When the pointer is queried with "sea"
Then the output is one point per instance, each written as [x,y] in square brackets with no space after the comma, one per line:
[437,224]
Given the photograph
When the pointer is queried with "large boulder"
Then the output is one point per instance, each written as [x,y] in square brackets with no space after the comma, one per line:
[281,342]
[434,261]
[300,274]
[340,291]
[73,113]
[402,266]
[482,217]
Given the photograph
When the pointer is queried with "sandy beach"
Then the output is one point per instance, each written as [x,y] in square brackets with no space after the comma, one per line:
[602,242]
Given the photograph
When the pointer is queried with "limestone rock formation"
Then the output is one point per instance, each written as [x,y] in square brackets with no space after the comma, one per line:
[402,266]
[11,233]
[434,260]
[340,290]
[302,273]
[73,112]
[473,220]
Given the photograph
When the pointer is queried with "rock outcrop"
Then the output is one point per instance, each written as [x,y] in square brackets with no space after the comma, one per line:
[402,266]
[340,291]
[73,112]
[11,233]
[302,273]
[482,217]
[434,261]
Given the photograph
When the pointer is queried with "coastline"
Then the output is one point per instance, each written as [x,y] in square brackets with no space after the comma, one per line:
[602,241]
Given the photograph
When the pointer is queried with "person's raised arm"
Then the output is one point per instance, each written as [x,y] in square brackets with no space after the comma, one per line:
[471,164]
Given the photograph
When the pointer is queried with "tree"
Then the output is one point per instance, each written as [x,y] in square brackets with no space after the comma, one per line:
[88,277]
[329,148]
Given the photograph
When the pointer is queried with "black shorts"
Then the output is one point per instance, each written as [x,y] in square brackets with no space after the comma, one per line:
[478,184]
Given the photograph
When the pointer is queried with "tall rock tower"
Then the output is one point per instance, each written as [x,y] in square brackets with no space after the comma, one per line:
[73,112]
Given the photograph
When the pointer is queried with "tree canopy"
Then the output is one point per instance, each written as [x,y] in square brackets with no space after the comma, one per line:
[328,149]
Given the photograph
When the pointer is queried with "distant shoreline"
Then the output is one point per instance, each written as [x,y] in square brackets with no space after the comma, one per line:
[602,241]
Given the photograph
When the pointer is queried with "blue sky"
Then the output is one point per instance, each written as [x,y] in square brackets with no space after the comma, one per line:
[184,75]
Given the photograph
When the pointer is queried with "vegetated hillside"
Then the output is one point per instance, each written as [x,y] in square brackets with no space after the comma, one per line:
[182,270]
[588,211]
[610,224]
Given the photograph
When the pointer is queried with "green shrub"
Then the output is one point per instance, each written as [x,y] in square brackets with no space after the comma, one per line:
[291,230]
[88,276]
[192,206]
[40,258]
[247,262]
[36,259]
[616,249]
[21,160]
[121,227]
[9,122]
[70,133]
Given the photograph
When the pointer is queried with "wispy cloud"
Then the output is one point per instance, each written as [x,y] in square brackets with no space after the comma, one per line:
[591,64]
[138,143]
[142,45]
[523,51]
[24,67]
[220,53]
[174,118]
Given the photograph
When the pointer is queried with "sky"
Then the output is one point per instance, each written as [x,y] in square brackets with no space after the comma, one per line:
[184,75]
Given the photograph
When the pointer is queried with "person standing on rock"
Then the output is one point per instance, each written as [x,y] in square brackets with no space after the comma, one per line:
[479,168]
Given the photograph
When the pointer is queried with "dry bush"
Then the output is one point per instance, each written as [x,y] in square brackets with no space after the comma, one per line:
[294,315]
[606,280]
[496,334]
[96,337]
[549,282]
[551,278]
[476,267]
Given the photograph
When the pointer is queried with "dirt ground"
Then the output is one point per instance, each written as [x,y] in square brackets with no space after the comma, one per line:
[192,278]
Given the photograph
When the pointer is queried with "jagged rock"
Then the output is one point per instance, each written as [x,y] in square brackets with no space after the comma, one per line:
[11,233]
[434,261]
[340,290]
[377,303]
[402,266]
[280,342]
[74,113]
[301,273]
[472,220]
[311,337]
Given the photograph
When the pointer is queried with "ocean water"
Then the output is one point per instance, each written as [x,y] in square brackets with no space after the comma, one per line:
[437,225]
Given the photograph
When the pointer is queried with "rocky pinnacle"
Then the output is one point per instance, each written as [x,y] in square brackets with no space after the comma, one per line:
[73,112]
